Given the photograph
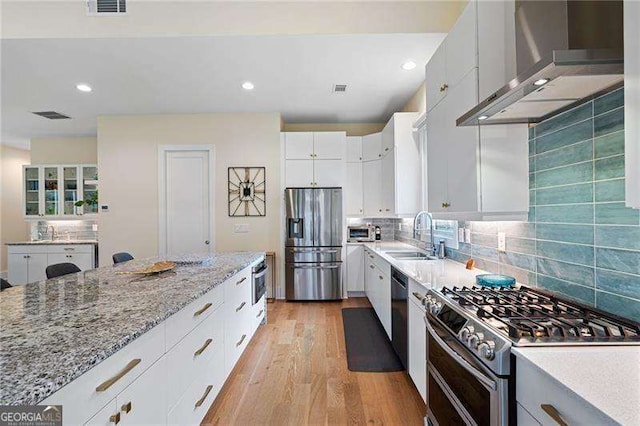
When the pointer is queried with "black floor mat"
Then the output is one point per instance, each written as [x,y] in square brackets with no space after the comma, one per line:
[368,346]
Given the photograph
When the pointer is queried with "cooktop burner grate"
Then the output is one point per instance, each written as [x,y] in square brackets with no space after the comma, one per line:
[530,315]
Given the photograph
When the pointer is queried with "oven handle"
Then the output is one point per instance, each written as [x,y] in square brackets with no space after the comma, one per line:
[453,354]
[259,274]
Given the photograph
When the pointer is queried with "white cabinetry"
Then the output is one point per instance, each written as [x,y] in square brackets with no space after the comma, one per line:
[632,101]
[355,267]
[417,350]
[388,187]
[137,405]
[354,149]
[475,172]
[540,395]
[315,159]
[354,186]
[371,193]
[378,287]
[372,147]
[27,263]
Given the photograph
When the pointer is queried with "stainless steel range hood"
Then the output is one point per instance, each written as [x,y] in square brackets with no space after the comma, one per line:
[567,52]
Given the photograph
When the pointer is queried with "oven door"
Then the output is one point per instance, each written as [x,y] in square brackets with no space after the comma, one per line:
[259,287]
[460,389]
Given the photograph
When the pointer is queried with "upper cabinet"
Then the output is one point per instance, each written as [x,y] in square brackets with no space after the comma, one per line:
[372,147]
[52,191]
[354,149]
[315,145]
[453,59]
[632,101]
[475,172]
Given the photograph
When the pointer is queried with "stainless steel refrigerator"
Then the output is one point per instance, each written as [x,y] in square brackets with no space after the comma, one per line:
[313,252]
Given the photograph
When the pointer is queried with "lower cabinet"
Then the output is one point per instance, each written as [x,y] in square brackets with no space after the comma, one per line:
[417,342]
[27,263]
[26,267]
[173,372]
[378,288]
[355,268]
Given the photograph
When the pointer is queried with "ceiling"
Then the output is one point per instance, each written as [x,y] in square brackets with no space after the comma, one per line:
[293,75]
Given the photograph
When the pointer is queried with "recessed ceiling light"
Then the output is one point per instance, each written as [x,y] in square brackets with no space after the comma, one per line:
[247,85]
[83,87]
[408,66]
[483,117]
[541,82]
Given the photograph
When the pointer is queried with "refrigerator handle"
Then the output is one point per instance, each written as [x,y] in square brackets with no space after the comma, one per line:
[296,228]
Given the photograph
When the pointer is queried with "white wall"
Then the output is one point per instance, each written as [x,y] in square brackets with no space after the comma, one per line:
[70,150]
[127,160]
[13,227]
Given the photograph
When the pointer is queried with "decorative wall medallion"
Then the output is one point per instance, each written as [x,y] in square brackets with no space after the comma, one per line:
[247,191]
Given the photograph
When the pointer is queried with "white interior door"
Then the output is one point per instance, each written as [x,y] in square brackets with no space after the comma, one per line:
[186,222]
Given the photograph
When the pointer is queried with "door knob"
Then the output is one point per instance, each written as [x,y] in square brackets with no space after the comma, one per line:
[207,242]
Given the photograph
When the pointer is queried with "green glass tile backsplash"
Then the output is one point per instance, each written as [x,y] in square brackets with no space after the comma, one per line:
[580,240]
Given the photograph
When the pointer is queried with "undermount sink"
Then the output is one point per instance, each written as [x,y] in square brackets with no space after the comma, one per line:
[411,255]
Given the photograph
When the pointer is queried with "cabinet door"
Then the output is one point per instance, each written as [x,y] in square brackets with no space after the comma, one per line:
[144,402]
[369,277]
[32,191]
[329,145]
[462,148]
[354,149]
[371,182]
[355,268]
[298,145]
[89,186]
[329,173]
[110,415]
[353,193]
[298,173]
[37,266]
[18,268]
[83,261]
[388,184]
[462,48]
[372,147]
[417,348]
[388,133]
[436,160]
[51,179]
[70,189]
[435,77]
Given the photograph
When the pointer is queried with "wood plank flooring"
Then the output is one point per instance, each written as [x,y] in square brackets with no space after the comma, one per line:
[294,372]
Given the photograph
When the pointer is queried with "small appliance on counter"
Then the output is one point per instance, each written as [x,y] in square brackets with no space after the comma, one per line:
[360,234]
[378,233]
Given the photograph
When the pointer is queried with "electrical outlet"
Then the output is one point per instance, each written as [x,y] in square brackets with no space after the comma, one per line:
[502,242]
[461,235]
[241,228]
[467,235]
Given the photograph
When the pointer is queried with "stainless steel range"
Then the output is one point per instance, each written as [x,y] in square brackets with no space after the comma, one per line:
[470,368]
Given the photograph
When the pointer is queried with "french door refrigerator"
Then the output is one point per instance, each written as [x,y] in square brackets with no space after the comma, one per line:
[313,246]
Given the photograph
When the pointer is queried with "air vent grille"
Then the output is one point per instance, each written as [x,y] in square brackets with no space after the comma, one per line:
[106,6]
[339,88]
[52,115]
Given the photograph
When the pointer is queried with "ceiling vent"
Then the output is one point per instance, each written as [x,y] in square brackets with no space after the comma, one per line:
[339,88]
[52,115]
[106,7]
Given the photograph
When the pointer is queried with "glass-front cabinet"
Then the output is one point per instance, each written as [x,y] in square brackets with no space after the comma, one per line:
[60,190]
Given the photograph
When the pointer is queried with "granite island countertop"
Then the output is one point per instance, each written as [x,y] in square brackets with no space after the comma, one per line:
[55,330]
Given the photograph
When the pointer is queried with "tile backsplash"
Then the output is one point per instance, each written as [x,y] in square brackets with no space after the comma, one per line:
[65,229]
[580,239]
[387,226]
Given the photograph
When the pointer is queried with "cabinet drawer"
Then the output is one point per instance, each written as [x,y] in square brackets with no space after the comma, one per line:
[69,248]
[192,354]
[111,376]
[237,290]
[182,322]
[535,388]
[27,249]
[238,332]
[258,312]
[196,401]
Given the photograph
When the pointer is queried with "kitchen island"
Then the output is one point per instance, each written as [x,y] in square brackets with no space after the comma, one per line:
[59,333]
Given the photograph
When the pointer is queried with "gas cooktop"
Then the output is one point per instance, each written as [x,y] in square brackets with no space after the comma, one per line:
[528,316]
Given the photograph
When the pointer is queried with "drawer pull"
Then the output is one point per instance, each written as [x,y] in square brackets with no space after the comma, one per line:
[260,313]
[241,340]
[206,394]
[241,281]
[126,407]
[206,344]
[201,311]
[115,418]
[381,277]
[553,413]
[107,384]
[417,295]
[371,266]
[239,308]
[69,249]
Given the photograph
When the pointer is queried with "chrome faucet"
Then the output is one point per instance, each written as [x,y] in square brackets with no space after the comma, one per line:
[417,220]
[53,232]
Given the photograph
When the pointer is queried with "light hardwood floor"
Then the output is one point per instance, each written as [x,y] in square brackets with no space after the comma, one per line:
[295,372]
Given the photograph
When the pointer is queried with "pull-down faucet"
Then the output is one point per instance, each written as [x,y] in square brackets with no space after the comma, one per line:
[417,220]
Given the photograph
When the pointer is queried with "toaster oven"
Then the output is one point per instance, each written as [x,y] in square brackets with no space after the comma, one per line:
[361,233]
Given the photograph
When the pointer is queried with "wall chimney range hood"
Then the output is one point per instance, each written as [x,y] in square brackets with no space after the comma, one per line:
[567,52]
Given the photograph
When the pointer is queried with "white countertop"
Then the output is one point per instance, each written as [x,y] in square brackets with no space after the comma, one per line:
[607,377]
[429,273]
[51,242]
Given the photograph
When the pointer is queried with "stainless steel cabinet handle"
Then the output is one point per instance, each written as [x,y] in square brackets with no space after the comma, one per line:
[417,296]
[201,310]
[202,349]
[204,397]
[241,340]
[241,281]
[108,383]
[553,413]
[239,308]
[69,249]
[260,313]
